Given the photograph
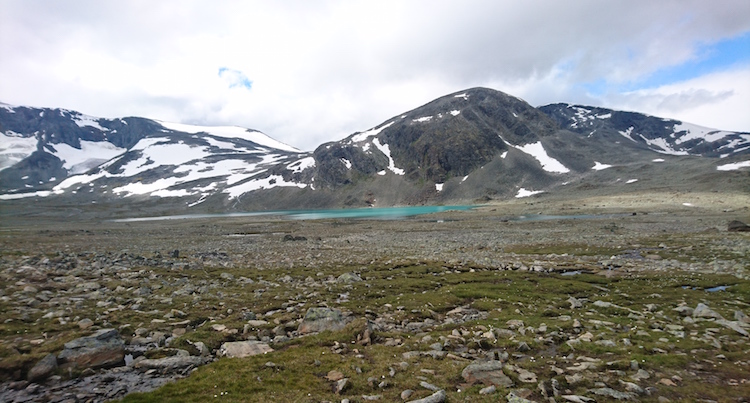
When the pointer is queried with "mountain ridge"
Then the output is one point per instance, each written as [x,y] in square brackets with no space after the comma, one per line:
[476,144]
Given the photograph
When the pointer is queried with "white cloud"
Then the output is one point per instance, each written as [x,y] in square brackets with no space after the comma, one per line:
[718,100]
[322,70]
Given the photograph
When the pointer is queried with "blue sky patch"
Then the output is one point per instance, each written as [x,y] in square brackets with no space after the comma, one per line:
[235,78]
[709,58]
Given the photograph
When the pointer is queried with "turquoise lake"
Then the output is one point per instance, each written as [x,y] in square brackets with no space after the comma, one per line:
[384,213]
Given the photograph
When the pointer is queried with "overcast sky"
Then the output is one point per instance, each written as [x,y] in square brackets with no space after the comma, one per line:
[307,72]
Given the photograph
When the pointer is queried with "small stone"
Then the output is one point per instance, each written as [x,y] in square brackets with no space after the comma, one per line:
[335,375]
[667,382]
[406,394]
[437,397]
[341,385]
[85,323]
[488,390]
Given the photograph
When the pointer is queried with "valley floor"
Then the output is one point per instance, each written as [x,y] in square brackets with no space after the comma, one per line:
[619,302]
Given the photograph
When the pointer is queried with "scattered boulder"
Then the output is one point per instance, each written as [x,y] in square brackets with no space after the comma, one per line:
[321,319]
[169,364]
[105,348]
[43,369]
[242,349]
[437,397]
[738,226]
[348,278]
[488,373]
[703,311]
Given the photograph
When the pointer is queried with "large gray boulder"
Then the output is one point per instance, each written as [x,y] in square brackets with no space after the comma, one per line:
[487,373]
[321,319]
[105,348]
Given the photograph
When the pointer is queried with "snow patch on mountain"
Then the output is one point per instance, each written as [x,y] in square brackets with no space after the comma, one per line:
[733,166]
[14,148]
[372,132]
[85,120]
[549,164]
[692,132]
[387,151]
[439,187]
[598,166]
[526,193]
[423,119]
[90,155]
[230,132]
[157,152]
[262,183]
[301,164]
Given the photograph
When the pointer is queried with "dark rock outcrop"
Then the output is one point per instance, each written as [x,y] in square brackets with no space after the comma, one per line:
[105,348]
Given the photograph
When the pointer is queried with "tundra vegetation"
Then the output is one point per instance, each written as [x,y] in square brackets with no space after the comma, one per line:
[643,301]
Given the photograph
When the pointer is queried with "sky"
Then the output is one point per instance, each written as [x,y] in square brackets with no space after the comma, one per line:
[309,72]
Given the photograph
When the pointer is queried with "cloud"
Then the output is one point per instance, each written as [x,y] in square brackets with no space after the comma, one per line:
[235,78]
[323,70]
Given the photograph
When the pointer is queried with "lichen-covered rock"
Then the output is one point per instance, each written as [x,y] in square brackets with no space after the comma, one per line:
[488,373]
[321,319]
[241,349]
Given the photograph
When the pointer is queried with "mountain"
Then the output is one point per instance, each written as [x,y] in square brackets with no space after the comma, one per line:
[477,144]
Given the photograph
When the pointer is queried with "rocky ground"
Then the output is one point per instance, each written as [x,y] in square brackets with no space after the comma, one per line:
[644,299]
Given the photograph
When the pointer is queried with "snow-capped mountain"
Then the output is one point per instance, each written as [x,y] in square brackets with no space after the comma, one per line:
[57,152]
[473,144]
[665,136]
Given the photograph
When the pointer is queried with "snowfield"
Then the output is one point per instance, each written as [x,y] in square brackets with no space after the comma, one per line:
[14,148]
[230,132]
[549,164]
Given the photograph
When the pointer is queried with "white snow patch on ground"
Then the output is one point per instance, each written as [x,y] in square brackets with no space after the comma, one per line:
[90,155]
[631,181]
[439,187]
[347,163]
[504,154]
[658,160]
[372,132]
[387,151]
[464,96]
[224,145]
[598,166]
[605,116]
[14,196]
[526,193]
[85,120]
[302,164]
[171,193]
[14,148]
[549,164]
[455,112]
[464,178]
[256,184]
[381,173]
[230,132]
[423,119]
[734,166]
[694,132]
[687,204]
